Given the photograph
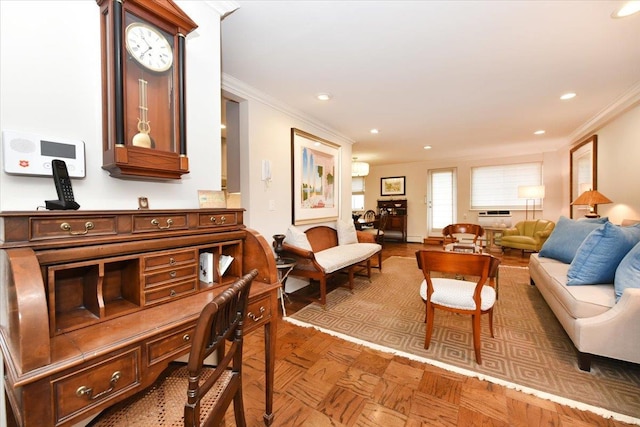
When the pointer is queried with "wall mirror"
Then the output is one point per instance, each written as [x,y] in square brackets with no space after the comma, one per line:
[582,172]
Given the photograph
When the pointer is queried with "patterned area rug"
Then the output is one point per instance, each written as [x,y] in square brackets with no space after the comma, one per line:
[530,351]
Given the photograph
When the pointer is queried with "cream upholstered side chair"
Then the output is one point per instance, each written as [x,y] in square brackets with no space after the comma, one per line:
[196,394]
[458,296]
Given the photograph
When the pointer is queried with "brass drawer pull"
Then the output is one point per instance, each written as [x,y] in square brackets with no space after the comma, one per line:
[67,227]
[88,391]
[186,338]
[172,261]
[214,220]
[157,224]
[172,293]
[173,274]
[253,317]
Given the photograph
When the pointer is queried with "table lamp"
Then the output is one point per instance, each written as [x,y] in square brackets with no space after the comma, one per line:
[591,198]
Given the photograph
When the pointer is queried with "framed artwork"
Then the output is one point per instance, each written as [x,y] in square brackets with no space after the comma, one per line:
[583,167]
[212,199]
[315,180]
[392,186]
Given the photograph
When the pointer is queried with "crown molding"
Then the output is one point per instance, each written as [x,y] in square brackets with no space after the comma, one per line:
[245,91]
[223,7]
[623,103]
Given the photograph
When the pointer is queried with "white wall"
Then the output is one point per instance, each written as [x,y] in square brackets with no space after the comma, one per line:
[267,126]
[619,166]
[50,83]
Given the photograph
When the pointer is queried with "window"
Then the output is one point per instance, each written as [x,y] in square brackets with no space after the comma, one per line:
[442,190]
[496,187]
[357,193]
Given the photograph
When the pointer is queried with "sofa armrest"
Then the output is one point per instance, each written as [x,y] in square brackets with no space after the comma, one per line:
[541,236]
[305,259]
[366,237]
[511,232]
[612,333]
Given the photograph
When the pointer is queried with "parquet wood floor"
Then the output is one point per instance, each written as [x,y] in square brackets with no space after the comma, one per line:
[324,381]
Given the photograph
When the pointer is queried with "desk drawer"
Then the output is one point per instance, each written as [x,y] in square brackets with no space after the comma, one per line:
[149,223]
[217,220]
[169,260]
[175,290]
[166,277]
[71,227]
[258,312]
[96,384]
[170,345]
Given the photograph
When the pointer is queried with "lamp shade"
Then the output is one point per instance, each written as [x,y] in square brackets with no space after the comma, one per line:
[531,191]
[591,198]
[359,169]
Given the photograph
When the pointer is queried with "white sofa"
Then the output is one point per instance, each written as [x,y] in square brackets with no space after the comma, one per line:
[595,322]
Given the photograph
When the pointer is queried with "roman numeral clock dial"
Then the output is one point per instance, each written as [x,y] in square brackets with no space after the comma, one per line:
[150,48]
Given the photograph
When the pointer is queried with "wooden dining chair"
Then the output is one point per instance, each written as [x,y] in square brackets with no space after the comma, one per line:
[459,296]
[196,394]
[451,231]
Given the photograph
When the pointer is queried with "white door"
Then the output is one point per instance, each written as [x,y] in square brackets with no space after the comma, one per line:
[441,200]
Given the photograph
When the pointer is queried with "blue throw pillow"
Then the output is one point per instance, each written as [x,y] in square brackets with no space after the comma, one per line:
[567,236]
[598,256]
[628,272]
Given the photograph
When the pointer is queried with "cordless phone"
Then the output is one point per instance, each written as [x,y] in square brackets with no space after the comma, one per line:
[63,188]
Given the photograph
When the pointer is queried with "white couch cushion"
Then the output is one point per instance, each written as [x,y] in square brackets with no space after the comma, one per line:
[578,301]
[338,257]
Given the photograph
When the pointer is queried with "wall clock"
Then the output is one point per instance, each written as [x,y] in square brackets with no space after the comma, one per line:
[143,88]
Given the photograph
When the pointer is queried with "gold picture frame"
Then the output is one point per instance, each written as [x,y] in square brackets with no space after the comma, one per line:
[583,172]
[315,180]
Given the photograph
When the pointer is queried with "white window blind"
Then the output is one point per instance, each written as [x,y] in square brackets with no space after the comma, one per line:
[496,187]
[442,198]
[357,193]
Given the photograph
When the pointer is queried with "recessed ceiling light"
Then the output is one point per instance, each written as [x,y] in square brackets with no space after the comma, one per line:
[324,96]
[427,147]
[539,132]
[568,95]
[374,131]
[627,9]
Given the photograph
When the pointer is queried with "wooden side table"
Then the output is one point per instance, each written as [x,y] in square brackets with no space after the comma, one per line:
[491,232]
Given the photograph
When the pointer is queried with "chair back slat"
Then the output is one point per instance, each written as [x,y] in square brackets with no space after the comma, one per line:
[221,321]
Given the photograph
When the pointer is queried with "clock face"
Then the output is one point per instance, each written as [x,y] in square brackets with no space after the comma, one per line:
[149,47]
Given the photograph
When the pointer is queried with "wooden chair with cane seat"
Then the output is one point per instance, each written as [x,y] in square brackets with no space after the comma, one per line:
[196,394]
[459,296]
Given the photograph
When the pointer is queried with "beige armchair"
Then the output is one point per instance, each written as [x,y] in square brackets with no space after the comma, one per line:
[527,235]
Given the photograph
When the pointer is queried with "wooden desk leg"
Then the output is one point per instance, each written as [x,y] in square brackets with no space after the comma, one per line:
[270,360]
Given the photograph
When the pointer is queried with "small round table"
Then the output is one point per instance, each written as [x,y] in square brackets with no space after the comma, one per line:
[284,266]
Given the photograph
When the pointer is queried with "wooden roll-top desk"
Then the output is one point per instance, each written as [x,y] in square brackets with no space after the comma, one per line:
[95,304]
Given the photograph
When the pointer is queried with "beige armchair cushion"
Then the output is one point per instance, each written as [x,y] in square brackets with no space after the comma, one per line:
[527,235]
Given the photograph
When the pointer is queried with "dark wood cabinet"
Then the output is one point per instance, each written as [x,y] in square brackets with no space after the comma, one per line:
[104,300]
[397,222]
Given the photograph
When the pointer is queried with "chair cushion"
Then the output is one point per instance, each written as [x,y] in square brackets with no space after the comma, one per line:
[598,256]
[297,237]
[628,272]
[458,294]
[346,233]
[566,237]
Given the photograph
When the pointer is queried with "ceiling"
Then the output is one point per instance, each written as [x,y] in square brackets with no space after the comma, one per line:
[469,78]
